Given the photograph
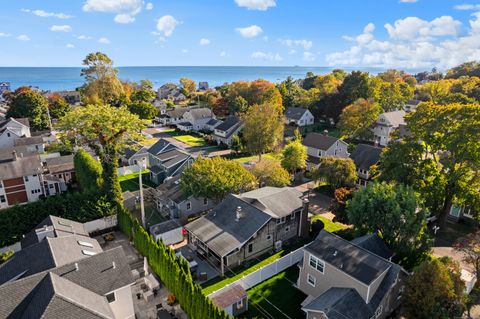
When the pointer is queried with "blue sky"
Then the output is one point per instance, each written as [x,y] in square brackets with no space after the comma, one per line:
[384,33]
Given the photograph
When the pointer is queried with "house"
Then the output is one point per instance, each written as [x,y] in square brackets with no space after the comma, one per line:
[71,97]
[460,212]
[32,144]
[13,129]
[96,286]
[172,202]
[386,124]
[211,125]
[411,105]
[224,132]
[170,91]
[233,300]
[202,86]
[5,87]
[298,116]
[319,145]
[61,169]
[342,279]
[20,180]
[173,117]
[197,118]
[243,227]
[365,156]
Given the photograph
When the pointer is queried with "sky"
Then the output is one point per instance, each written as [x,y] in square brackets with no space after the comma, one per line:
[348,33]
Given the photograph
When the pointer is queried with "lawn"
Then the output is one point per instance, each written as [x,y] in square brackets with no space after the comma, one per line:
[254,158]
[130,182]
[276,298]
[319,128]
[340,229]
[188,139]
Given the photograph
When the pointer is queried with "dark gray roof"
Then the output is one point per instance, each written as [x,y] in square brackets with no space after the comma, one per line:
[374,244]
[413,102]
[228,124]
[319,141]
[212,122]
[349,258]
[6,154]
[21,167]
[129,152]
[164,227]
[35,140]
[156,169]
[295,113]
[365,156]
[184,124]
[60,164]
[277,202]
[172,157]
[171,189]
[341,303]
[159,146]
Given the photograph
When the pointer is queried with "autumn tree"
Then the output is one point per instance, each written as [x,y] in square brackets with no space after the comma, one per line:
[189,86]
[357,119]
[255,92]
[270,173]
[470,69]
[215,178]
[31,104]
[391,95]
[392,211]
[336,171]
[434,291]
[294,156]
[469,247]
[57,105]
[263,128]
[102,84]
[106,130]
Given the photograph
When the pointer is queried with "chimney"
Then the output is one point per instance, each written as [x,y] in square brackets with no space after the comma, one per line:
[238,213]
[304,228]
[14,155]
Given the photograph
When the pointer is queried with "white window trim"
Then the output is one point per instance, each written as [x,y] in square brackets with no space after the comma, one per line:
[240,304]
[314,280]
[317,262]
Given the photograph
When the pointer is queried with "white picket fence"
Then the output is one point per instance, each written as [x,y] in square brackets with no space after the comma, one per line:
[266,271]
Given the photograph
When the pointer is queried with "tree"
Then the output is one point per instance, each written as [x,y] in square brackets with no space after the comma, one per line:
[237,144]
[294,156]
[336,171]
[215,178]
[471,68]
[270,173]
[355,86]
[339,204]
[188,86]
[391,210]
[30,104]
[88,171]
[105,129]
[57,105]
[433,291]
[143,92]
[144,110]
[263,128]
[449,147]
[357,119]
[469,246]
[391,95]
[102,84]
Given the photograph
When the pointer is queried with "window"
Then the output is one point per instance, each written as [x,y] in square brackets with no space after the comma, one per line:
[2,199]
[51,185]
[250,248]
[110,297]
[1,184]
[240,304]
[8,134]
[292,217]
[189,206]
[26,178]
[269,237]
[317,264]
[205,201]
[281,221]
[287,229]
[311,280]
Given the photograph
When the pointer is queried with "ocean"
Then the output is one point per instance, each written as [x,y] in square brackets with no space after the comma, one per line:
[68,78]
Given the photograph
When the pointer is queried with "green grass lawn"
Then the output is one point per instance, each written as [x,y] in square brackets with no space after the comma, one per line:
[188,139]
[130,182]
[333,227]
[254,158]
[276,298]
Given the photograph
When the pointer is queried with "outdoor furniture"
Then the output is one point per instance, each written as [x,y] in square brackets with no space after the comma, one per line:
[148,296]
[152,282]
[135,274]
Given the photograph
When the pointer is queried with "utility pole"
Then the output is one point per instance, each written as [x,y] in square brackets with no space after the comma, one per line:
[142,207]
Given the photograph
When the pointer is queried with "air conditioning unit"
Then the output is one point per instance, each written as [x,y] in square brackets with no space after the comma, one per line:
[278,245]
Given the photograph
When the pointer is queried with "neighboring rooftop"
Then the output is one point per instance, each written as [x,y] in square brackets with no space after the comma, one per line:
[319,141]
[395,118]
[275,201]
[60,164]
[164,227]
[34,140]
[374,244]
[201,113]
[229,296]
[228,124]
[22,166]
[295,113]
[160,146]
[365,156]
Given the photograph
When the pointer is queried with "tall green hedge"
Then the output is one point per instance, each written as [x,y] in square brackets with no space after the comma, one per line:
[173,271]
[18,220]
[88,171]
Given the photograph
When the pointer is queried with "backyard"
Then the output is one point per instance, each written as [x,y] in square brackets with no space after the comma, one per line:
[253,158]
[270,300]
[190,140]
[130,183]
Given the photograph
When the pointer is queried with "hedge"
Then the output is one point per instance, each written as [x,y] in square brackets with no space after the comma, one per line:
[82,207]
[173,271]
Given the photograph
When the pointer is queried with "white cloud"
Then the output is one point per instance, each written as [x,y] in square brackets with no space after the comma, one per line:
[467,7]
[261,5]
[167,25]
[149,6]
[223,54]
[266,56]
[84,37]
[305,44]
[125,10]
[204,41]
[184,51]
[123,18]
[292,51]
[414,43]
[408,1]
[45,14]
[104,40]
[61,28]
[308,56]
[250,32]
[4,35]
[23,37]
[70,46]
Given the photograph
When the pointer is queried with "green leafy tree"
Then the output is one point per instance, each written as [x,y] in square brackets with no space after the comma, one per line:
[471,68]
[263,129]
[143,92]
[294,156]
[469,247]
[215,178]
[58,106]
[188,86]
[237,144]
[239,105]
[336,171]
[433,291]
[356,119]
[102,84]
[88,171]
[105,129]
[270,173]
[391,95]
[355,86]
[391,210]
[30,104]
[144,110]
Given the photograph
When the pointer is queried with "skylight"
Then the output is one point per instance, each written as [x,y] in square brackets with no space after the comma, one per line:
[84,243]
[88,252]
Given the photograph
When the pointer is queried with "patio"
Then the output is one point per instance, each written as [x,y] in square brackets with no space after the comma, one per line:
[203,270]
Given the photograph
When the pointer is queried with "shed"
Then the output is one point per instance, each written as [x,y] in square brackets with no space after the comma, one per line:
[170,232]
[233,300]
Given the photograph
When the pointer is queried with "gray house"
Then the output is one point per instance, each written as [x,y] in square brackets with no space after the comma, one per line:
[245,226]
[319,145]
[299,116]
[365,156]
[197,118]
[345,280]
[224,132]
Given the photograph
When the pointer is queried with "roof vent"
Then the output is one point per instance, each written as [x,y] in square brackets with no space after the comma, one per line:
[335,253]
[113,265]
[341,266]
[239,213]
[76,266]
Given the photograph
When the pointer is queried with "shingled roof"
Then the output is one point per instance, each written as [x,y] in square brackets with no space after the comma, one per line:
[21,167]
[319,141]
[295,113]
[365,156]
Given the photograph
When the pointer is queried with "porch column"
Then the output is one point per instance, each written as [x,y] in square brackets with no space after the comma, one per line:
[222,266]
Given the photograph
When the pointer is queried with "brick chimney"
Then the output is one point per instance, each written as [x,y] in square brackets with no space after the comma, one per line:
[304,228]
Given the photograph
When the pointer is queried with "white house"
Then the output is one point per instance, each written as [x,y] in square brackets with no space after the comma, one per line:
[411,105]
[319,145]
[13,129]
[224,132]
[386,124]
[198,118]
[298,116]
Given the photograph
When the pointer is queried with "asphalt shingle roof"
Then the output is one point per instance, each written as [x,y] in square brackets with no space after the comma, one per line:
[229,123]
[60,164]
[364,156]
[395,118]
[295,113]
[21,167]
[158,147]
[319,141]
[374,244]
[201,113]
[34,140]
